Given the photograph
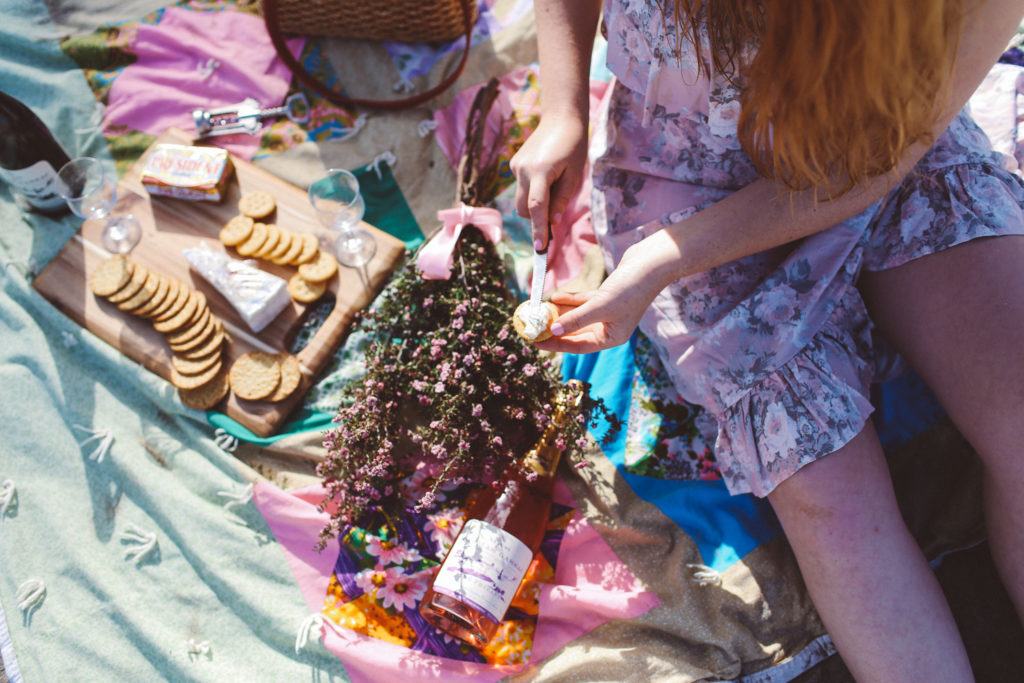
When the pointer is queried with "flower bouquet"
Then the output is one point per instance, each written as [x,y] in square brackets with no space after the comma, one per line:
[451,395]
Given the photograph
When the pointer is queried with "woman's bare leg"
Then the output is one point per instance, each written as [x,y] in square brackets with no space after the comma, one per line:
[958,317]
[867,577]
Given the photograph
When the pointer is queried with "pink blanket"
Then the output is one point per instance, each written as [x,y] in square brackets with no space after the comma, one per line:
[590,587]
[197,59]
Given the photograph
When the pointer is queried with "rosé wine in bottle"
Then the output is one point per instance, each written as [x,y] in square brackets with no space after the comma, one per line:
[483,569]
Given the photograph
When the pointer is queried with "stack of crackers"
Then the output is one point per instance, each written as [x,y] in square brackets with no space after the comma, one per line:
[195,335]
[283,247]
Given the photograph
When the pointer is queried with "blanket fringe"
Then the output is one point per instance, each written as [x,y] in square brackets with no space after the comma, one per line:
[225,441]
[703,575]
[30,596]
[313,621]
[8,498]
[198,648]
[142,543]
[236,498]
[386,157]
[104,439]
[426,127]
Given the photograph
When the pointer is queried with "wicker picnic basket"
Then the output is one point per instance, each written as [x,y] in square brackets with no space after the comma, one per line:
[412,21]
[400,20]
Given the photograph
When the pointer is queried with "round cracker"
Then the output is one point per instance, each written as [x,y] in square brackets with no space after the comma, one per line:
[176,322]
[215,342]
[192,330]
[304,291]
[186,366]
[257,204]
[209,394]
[520,326]
[139,276]
[195,381]
[175,299]
[319,270]
[163,288]
[141,297]
[291,377]
[111,275]
[270,244]
[283,246]
[310,248]
[255,375]
[294,249]
[236,231]
[255,241]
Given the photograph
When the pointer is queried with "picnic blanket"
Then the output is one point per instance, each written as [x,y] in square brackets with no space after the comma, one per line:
[147,541]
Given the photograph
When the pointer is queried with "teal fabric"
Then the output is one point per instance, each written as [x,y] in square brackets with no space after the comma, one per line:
[724,527]
[386,209]
[218,576]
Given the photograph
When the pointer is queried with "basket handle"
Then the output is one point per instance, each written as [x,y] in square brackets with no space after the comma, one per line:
[318,86]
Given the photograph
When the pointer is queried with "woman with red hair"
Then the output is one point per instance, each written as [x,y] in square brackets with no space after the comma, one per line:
[792,200]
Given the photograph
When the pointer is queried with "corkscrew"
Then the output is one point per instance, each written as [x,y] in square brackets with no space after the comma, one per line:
[247,116]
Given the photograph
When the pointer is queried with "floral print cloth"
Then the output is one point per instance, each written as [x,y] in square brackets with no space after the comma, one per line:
[777,346]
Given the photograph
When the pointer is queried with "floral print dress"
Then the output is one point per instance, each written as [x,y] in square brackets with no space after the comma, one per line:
[778,346]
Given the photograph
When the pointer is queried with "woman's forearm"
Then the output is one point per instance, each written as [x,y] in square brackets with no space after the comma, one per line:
[565,40]
[764,214]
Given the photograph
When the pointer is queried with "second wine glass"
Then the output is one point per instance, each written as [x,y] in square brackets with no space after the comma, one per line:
[340,207]
[91,193]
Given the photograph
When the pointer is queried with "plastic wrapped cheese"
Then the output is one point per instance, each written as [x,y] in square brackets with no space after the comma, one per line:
[258,296]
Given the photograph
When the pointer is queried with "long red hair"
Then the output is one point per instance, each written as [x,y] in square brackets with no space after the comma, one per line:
[835,90]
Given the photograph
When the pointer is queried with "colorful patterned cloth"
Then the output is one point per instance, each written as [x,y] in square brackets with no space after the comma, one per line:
[778,346]
[369,584]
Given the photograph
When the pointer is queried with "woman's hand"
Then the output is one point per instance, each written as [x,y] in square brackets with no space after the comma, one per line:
[606,317]
[549,169]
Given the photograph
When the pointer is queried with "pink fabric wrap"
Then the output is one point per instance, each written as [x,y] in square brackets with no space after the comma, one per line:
[518,105]
[197,60]
[592,586]
[435,258]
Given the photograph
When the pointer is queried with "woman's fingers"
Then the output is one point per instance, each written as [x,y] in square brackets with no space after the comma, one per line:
[522,192]
[537,206]
[571,299]
[588,312]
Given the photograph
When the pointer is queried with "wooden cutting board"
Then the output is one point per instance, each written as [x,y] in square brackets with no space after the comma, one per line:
[170,225]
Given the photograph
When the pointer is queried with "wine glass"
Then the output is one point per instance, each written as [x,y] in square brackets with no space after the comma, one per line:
[91,192]
[340,207]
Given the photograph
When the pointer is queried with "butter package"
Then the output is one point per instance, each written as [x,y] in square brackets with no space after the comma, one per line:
[186,172]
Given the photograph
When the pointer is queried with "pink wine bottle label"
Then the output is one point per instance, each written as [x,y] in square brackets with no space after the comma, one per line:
[484,568]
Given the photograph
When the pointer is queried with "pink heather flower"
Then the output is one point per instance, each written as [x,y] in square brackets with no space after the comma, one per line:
[503,334]
[457,324]
[513,358]
[529,369]
[389,552]
[428,301]
[403,591]
[443,527]
[369,580]
[478,410]
[439,388]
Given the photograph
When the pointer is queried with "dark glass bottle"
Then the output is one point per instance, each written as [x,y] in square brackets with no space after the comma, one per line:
[30,157]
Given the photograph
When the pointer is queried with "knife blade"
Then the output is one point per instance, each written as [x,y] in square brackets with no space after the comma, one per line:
[540,272]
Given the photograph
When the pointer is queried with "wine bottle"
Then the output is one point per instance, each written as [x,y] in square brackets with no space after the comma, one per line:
[30,157]
[484,567]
